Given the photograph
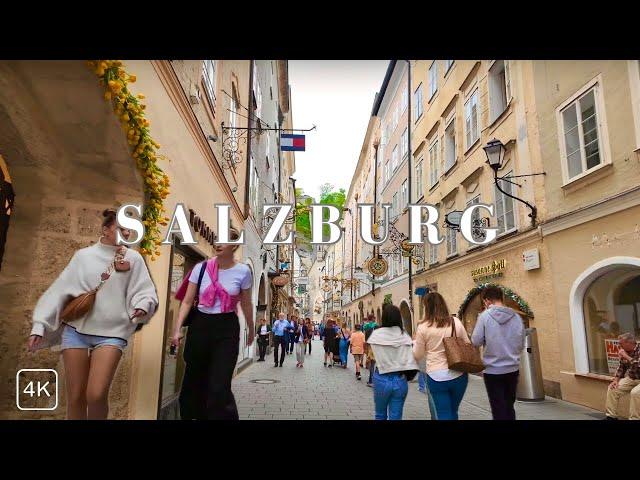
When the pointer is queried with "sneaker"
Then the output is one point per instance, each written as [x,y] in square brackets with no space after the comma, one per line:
[276,365]
[325,364]
[330,365]
[280,365]
[369,384]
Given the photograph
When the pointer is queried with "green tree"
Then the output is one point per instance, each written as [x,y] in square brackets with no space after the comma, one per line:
[328,196]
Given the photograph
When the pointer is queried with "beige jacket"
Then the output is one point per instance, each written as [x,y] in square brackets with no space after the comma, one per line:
[429,343]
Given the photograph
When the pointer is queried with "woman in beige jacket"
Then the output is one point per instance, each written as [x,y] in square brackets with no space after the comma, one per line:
[445,387]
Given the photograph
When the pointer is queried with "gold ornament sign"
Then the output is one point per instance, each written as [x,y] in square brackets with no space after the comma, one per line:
[378,266]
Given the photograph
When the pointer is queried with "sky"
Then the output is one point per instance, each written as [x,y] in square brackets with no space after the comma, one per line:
[336,96]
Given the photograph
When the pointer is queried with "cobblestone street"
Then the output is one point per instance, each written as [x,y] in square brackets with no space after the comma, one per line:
[316,392]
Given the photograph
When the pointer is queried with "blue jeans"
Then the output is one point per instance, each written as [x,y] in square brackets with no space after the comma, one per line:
[445,397]
[422,381]
[389,393]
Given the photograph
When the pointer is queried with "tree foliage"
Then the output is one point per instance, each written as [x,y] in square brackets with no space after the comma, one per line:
[328,196]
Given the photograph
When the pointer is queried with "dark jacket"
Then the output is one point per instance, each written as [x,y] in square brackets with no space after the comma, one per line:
[259,327]
[301,336]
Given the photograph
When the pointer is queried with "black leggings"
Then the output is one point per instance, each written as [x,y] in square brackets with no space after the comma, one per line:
[211,353]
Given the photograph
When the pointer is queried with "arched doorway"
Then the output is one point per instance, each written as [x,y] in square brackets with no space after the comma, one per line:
[7,197]
[472,306]
[405,312]
[378,315]
[604,302]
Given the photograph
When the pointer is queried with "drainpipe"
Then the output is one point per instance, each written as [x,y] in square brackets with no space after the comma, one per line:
[375,205]
[248,160]
[409,164]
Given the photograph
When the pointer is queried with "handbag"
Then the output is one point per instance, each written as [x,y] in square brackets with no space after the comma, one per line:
[462,356]
[82,304]
[194,308]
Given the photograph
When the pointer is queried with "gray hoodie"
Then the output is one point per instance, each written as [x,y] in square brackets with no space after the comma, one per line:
[501,331]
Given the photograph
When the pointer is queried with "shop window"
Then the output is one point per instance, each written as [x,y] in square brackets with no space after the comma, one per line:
[611,307]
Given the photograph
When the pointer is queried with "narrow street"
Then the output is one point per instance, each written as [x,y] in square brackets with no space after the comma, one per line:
[316,392]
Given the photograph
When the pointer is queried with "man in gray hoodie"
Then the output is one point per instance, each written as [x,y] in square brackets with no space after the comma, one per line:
[501,332]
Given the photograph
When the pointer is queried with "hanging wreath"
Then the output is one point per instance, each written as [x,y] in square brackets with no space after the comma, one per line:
[508,293]
[130,111]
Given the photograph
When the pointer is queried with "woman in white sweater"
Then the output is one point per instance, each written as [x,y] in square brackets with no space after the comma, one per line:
[395,365]
[92,345]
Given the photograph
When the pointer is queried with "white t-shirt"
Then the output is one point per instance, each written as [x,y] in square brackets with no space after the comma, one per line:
[232,279]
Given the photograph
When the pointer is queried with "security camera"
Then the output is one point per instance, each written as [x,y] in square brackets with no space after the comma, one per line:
[213,138]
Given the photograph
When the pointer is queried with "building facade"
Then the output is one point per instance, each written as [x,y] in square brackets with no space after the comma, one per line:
[79,163]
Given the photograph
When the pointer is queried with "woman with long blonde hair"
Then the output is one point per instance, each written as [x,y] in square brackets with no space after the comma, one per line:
[446,387]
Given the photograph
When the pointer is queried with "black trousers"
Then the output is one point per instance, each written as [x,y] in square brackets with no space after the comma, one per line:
[502,394]
[263,343]
[210,353]
[279,343]
[291,341]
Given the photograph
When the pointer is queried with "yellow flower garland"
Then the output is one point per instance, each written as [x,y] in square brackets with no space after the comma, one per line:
[130,111]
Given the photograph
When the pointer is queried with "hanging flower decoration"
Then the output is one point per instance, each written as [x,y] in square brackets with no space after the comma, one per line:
[508,293]
[130,111]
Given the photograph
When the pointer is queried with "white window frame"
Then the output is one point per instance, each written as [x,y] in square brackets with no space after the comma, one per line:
[504,90]
[417,102]
[469,142]
[452,242]
[404,144]
[394,159]
[603,134]
[433,79]
[504,199]
[404,189]
[396,118]
[387,172]
[450,123]
[434,161]
[394,205]
[209,74]
[405,101]
[448,64]
[418,176]
[476,214]
[433,253]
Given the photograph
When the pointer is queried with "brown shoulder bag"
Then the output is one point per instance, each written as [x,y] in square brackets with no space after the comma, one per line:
[82,304]
[462,356]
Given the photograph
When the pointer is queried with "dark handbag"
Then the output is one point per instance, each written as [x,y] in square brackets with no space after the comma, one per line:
[194,308]
[462,356]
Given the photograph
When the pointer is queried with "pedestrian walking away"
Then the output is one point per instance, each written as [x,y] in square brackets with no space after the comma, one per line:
[280,327]
[329,335]
[500,331]
[213,338]
[345,335]
[357,348]
[92,342]
[627,379]
[263,331]
[395,365]
[445,387]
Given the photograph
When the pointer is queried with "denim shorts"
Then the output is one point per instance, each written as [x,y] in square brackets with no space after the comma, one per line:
[71,338]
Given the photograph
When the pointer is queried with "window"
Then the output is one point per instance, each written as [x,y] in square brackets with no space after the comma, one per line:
[209,75]
[394,205]
[394,158]
[452,242]
[611,306]
[233,112]
[418,176]
[504,207]
[581,134]
[387,172]
[257,92]
[475,219]
[405,101]
[499,88]
[471,130]
[447,65]
[434,161]
[433,253]
[395,118]
[254,190]
[405,194]
[433,79]
[450,145]
[417,103]
[404,144]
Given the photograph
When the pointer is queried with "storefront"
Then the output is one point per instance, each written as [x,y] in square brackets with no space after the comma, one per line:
[596,276]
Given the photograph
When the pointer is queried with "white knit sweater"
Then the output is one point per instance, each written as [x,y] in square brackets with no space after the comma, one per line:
[115,302]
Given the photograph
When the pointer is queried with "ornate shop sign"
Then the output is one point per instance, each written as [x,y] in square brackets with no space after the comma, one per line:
[493,270]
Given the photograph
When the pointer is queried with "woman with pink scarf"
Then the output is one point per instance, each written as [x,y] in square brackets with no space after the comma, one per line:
[211,349]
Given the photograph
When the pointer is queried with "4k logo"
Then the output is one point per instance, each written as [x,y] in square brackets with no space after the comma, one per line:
[37,389]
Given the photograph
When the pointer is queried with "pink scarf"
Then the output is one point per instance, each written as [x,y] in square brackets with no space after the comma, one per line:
[228,303]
